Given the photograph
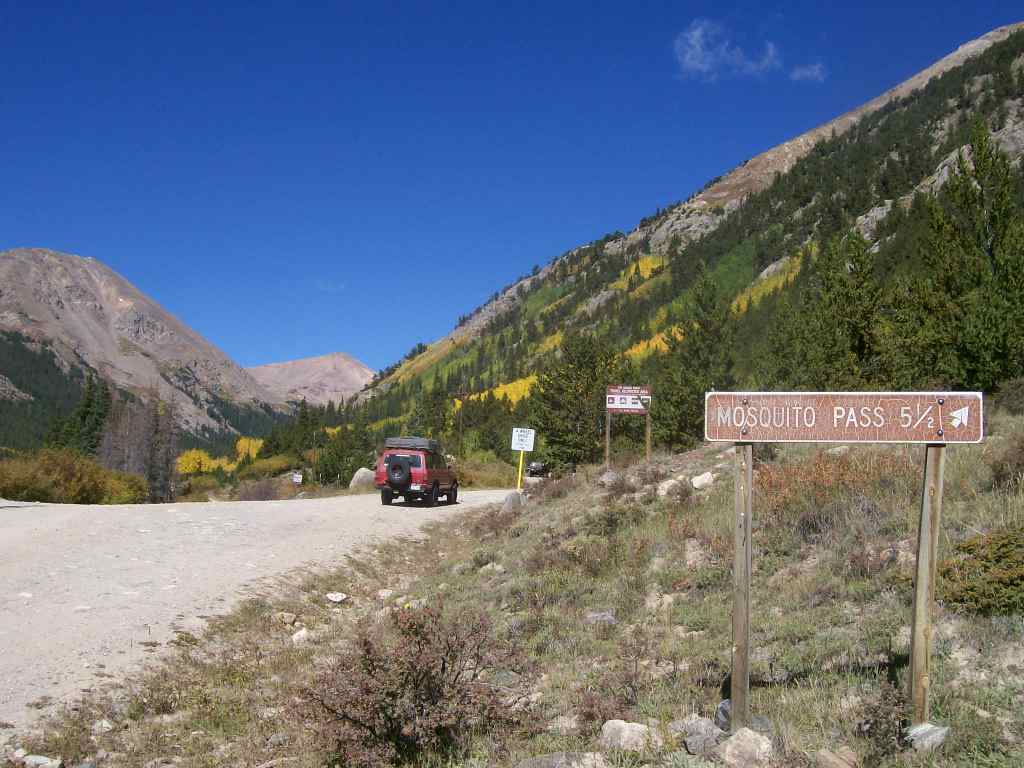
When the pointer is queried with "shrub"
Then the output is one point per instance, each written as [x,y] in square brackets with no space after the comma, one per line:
[123,488]
[554,488]
[268,467]
[258,490]
[418,686]
[1011,396]
[200,485]
[63,476]
[882,719]
[1008,465]
[986,574]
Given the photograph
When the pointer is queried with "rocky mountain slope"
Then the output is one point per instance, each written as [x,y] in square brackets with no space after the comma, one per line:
[751,227]
[94,319]
[318,380]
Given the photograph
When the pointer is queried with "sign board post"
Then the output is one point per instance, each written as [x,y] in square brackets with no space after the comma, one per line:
[929,418]
[740,692]
[522,441]
[623,399]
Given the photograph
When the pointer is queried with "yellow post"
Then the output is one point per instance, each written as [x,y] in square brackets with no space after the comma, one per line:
[519,479]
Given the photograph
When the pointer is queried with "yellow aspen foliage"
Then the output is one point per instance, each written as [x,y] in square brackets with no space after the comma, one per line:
[193,462]
[247,446]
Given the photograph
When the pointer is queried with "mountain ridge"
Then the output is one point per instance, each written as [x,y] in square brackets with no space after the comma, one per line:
[578,284]
[95,319]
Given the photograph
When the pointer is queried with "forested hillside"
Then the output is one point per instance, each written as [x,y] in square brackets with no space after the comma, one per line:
[860,266]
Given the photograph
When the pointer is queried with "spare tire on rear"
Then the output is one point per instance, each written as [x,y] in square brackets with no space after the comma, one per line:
[398,472]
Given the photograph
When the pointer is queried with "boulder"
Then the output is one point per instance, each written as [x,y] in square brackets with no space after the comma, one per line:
[301,637]
[362,479]
[565,760]
[699,482]
[102,726]
[723,719]
[746,749]
[286,618]
[698,734]
[492,568]
[336,597]
[609,478]
[513,503]
[629,737]
[924,737]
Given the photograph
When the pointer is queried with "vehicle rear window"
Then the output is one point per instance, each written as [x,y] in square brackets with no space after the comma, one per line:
[414,458]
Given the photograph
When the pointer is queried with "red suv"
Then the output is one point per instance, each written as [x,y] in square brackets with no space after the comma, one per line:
[414,467]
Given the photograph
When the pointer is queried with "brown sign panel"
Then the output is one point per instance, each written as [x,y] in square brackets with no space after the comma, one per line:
[844,417]
[623,399]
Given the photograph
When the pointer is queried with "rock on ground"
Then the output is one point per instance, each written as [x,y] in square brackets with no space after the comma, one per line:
[513,503]
[336,597]
[590,618]
[565,725]
[40,761]
[746,749]
[668,487]
[841,758]
[629,737]
[699,482]
[565,760]
[362,479]
[924,737]
[699,734]
[301,637]
[609,478]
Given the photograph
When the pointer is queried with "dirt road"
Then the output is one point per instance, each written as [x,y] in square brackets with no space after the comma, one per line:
[84,589]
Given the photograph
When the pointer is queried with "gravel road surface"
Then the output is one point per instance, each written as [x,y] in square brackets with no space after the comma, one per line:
[86,590]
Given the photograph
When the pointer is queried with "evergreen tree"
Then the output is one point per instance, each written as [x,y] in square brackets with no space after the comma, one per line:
[698,360]
[960,322]
[570,397]
[832,340]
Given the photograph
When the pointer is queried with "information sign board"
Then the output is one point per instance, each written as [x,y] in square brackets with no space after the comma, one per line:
[522,438]
[622,399]
[844,417]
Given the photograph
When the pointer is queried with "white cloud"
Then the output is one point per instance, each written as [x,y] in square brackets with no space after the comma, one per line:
[809,72]
[704,49]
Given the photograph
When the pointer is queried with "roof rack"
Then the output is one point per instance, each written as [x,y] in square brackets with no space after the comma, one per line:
[413,444]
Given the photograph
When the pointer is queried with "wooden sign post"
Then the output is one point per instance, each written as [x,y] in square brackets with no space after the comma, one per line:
[930,418]
[623,399]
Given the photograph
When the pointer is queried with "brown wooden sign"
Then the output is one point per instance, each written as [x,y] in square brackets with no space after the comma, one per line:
[623,399]
[844,417]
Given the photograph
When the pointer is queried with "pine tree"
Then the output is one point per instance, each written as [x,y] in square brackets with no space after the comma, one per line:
[569,398]
[698,360]
[832,339]
[960,323]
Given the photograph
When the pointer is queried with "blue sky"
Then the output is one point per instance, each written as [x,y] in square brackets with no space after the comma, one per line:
[292,179]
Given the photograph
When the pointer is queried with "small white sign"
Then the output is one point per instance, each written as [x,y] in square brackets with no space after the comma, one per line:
[522,438]
[297,478]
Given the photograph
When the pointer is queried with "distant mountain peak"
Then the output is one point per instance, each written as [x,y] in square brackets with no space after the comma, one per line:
[335,376]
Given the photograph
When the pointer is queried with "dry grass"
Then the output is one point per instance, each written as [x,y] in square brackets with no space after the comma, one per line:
[831,611]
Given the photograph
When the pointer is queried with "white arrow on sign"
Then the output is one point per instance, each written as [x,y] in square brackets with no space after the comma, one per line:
[959,417]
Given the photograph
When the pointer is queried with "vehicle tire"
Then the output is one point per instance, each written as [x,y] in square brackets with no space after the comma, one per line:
[398,472]
[431,497]
[453,494]
[386,497]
